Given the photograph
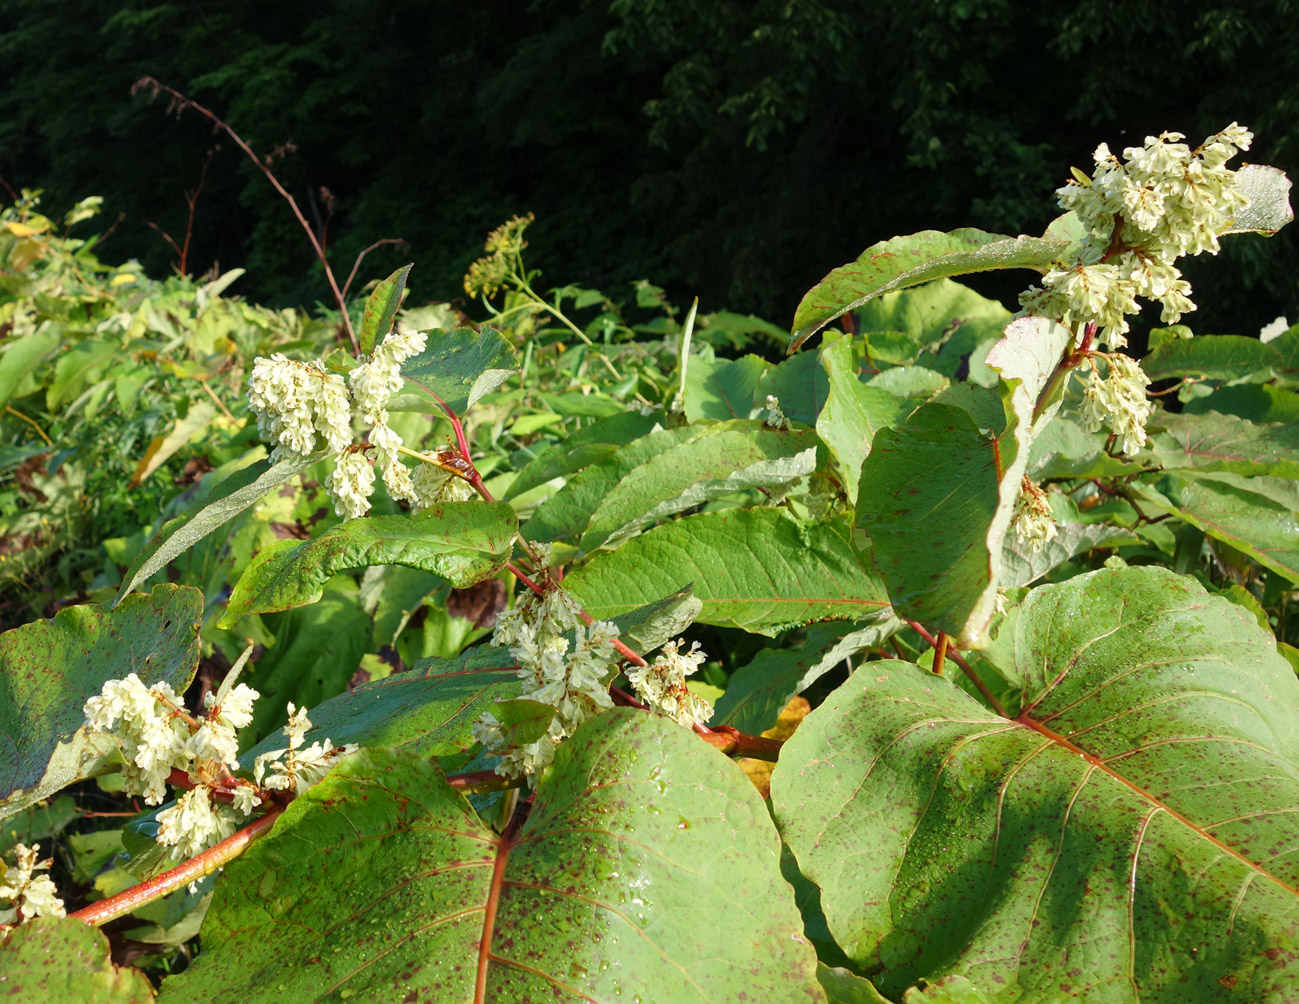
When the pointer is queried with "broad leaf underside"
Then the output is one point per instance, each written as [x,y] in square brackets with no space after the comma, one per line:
[1129,838]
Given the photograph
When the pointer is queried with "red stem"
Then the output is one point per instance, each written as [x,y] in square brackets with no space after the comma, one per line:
[970,674]
[155,85]
[195,868]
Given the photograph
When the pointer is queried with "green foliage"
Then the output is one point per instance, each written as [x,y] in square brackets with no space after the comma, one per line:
[1004,772]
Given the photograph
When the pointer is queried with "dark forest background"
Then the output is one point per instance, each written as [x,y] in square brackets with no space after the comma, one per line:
[732,150]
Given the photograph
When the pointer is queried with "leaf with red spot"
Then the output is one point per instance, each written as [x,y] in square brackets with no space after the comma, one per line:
[1129,837]
[648,868]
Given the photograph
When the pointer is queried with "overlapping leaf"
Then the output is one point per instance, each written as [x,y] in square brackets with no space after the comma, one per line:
[457,366]
[1128,838]
[1254,515]
[464,542]
[757,569]
[1215,442]
[909,261]
[1220,357]
[716,461]
[48,669]
[381,308]
[223,503]
[598,441]
[723,389]
[381,883]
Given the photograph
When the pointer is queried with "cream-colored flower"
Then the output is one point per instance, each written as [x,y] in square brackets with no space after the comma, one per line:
[1118,401]
[662,685]
[1033,521]
[29,895]
[194,823]
[351,483]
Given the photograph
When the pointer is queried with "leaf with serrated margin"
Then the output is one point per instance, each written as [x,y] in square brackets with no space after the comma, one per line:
[1268,210]
[909,261]
[458,366]
[48,669]
[464,542]
[1216,442]
[57,959]
[759,690]
[223,503]
[853,412]
[723,389]
[381,308]
[383,877]
[1253,515]
[718,460]
[1210,357]
[757,569]
[597,441]
[1129,837]
[565,515]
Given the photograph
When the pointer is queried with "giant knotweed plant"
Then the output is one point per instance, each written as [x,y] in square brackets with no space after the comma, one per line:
[1019,644]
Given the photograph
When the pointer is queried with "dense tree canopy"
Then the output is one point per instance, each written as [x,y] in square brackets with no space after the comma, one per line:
[733,150]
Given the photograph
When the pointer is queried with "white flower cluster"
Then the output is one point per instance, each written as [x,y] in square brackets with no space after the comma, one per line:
[1166,201]
[771,414]
[662,685]
[1118,401]
[29,895]
[294,768]
[434,485]
[297,402]
[573,678]
[158,735]
[1033,521]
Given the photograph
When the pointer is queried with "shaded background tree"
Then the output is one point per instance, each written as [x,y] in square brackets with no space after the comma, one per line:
[734,150]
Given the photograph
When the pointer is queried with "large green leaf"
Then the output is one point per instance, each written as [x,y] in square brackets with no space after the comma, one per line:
[760,689]
[1253,515]
[1254,401]
[48,669]
[381,308]
[723,389]
[937,493]
[853,412]
[757,569]
[909,261]
[1128,838]
[223,503]
[718,460]
[464,542]
[931,499]
[458,366]
[57,960]
[1215,442]
[565,515]
[1211,357]
[598,441]
[380,883]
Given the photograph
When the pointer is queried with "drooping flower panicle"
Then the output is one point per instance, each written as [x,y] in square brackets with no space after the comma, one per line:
[28,894]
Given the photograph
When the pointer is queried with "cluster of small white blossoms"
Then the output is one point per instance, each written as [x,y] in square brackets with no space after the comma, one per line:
[662,685]
[1163,201]
[29,895]
[158,735]
[1119,401]
[771,414]
[304,409]
[572,678]
[1033,523]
